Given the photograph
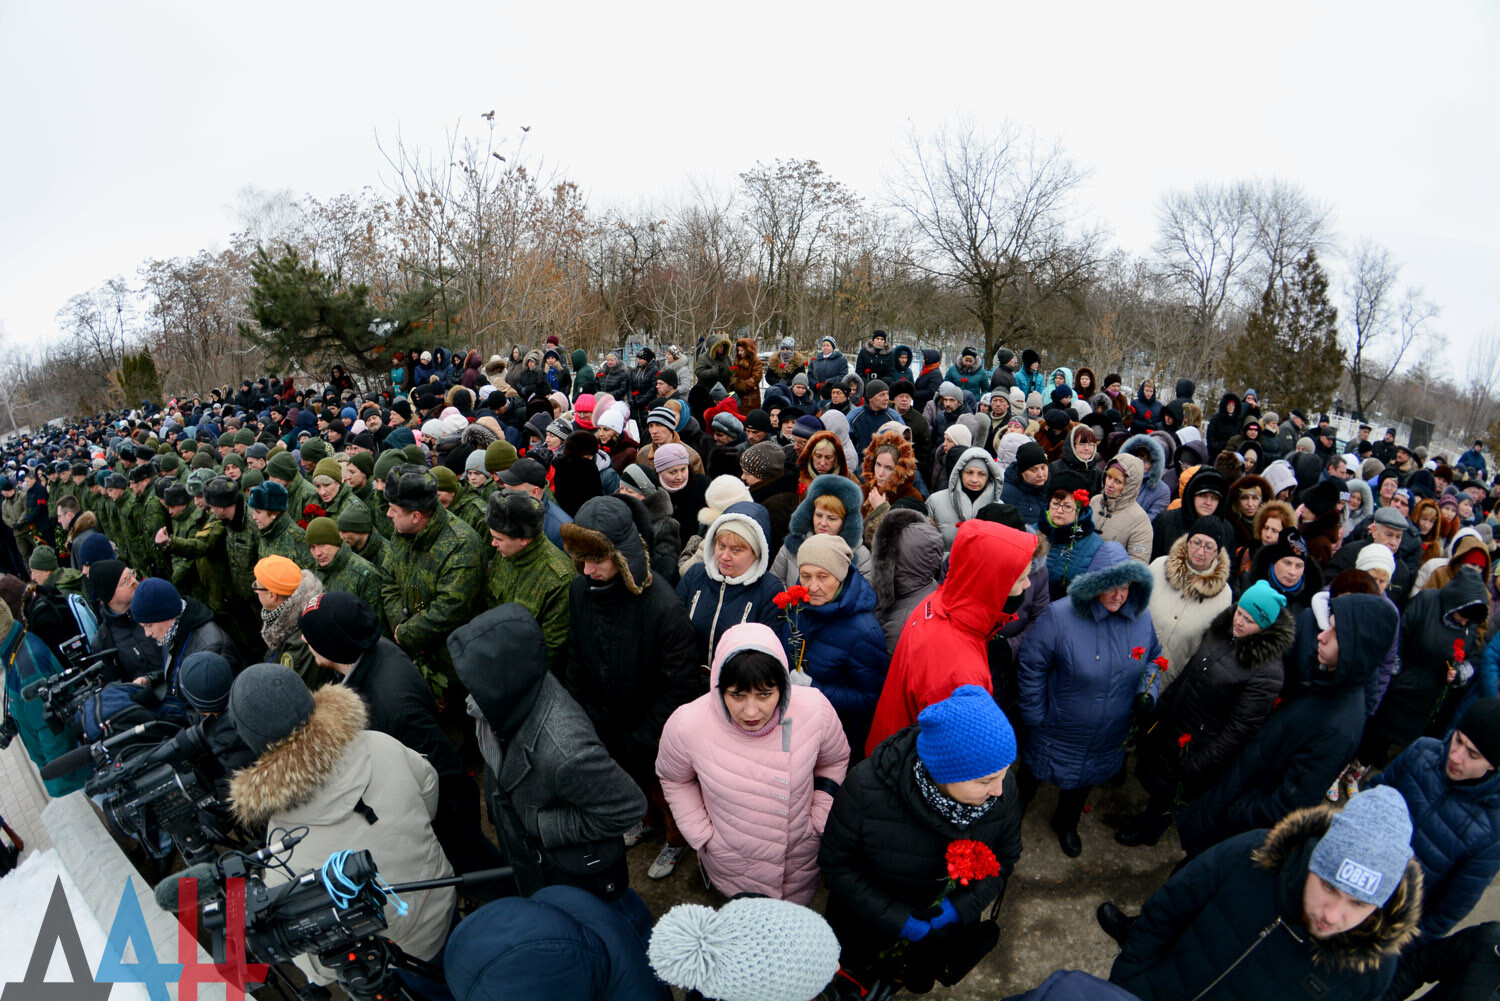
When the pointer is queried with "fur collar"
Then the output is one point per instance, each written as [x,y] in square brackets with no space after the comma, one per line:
[279,623]
[290,773]
[1383,934]
[906,460]
[1267,645]
[1199,586]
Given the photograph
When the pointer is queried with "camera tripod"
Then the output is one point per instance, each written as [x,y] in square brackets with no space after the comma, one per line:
[366,970]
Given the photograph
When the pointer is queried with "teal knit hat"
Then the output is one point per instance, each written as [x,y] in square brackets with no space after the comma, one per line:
[1263,603]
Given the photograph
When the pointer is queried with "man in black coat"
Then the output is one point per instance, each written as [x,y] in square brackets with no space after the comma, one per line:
[1317,907]
[343,633]
[136,656]
[1387,529]
[1302,748]
[632,651]
[182,626]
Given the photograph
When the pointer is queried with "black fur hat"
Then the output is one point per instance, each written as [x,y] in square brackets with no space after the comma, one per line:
[516,514]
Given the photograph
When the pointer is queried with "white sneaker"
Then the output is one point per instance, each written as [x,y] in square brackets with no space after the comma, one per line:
[666,862]
[633,836]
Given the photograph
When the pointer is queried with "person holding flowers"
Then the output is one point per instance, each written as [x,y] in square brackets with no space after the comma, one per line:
[920,843]
[1221,697]
[1085,668]
[1068,525]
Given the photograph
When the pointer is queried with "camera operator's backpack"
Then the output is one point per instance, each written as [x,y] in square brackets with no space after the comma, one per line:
[56,617]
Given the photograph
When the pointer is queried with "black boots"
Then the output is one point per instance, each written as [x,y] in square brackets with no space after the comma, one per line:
[1144,829]
[1115,922]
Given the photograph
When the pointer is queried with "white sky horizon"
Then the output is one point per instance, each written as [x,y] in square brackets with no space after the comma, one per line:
[133,127]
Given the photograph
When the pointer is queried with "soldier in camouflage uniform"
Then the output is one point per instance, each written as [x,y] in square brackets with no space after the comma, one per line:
[279,534]
[147,516]
[328,482]
[528,569]
[358,473]
[341,569]
[13,510]
[387,462]
[432,570]
[473,494]
[184,519]
[357,528]
[281,469]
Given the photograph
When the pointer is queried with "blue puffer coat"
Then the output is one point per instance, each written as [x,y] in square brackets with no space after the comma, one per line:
[714,602]
[1455,831]
[1073,549]
[845,653]
[1076,676]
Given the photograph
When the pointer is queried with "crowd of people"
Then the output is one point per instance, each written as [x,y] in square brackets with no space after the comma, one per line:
[821,622]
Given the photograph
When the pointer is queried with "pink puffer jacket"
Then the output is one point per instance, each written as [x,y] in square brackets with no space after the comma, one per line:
[753,807]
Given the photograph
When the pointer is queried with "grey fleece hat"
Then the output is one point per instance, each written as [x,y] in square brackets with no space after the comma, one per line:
[1367,846]
[951,391]
[267,703]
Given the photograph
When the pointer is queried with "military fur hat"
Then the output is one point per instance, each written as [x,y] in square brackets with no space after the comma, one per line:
[514,513]
[413,488]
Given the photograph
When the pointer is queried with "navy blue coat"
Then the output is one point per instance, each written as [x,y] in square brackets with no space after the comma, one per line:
[1455,831]
[561,943]
[1029,500]
[845,653]
[1075,985]
[1076,676]
[714,603]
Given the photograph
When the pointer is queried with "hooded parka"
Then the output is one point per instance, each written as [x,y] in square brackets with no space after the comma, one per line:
[1122,519]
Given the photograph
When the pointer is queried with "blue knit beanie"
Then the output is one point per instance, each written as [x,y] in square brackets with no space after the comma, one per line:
[94,548]
[1367,846]
[1262,603]
[965,736]
[1060,393]
[155,600]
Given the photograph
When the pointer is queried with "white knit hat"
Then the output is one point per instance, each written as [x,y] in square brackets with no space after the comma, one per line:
[723,954]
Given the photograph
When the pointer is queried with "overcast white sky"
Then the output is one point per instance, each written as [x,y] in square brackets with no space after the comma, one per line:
[131,126]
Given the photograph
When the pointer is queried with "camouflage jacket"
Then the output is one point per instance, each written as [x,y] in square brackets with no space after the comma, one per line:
[184,568]
[348,571]
[536,578]
[432,579]
[286,538]
[343,500]
[470,509]
[205,545]
[374,551]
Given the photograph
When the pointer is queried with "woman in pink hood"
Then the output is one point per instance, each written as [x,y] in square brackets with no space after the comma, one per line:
[750,770]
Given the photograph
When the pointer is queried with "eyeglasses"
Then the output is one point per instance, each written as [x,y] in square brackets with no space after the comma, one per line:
[1203,545]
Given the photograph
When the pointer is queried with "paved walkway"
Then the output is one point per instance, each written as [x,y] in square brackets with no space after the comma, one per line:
[22,797]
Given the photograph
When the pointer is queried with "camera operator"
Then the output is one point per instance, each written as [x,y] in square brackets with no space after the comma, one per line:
[553,789]
[318,767]
[136,655]
[27,659]
[204,680]
[181,626]
[343,634]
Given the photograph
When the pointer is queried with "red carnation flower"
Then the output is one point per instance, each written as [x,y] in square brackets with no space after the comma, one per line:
[1139,653]
[1184,740]
[798,592]
[1458,649]
[968,859]
[1081,496]
[1161,663]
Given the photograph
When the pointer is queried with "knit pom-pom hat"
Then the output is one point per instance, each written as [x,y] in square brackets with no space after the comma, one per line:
[722,954]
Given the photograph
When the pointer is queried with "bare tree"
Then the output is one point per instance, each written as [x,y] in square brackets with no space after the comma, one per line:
[1479,406]
[267,218]
[1205,239]
[992,215]
[1386,321]
[101,321]
[1288,224]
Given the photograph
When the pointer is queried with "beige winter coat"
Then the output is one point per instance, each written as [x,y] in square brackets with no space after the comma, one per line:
[1183,603]
[1123,520]
[316,778]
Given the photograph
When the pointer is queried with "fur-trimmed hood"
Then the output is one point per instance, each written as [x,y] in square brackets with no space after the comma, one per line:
[1158,456]
[1268,508]
[908,552]
[1111,567]
[606,529]
[1183,580]
[1379,937]
[291,773]
[1134,475]
[804,461]
[847,492]
[906,459]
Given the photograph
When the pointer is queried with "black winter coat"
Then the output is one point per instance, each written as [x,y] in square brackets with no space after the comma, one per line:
[883,849]
[632,659]
[1420,699]
[197,630]
[136,654]
[1401,581]
[1236,913]
[1465,966]
[401,704]
[1222,697]
[1301,749]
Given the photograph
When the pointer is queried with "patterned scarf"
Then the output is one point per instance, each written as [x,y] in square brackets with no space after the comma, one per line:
[960,815]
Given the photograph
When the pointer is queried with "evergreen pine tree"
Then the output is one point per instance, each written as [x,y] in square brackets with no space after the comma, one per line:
[1290,346]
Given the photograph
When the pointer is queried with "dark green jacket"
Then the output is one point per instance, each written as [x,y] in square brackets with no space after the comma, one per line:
[348,571]
[432,579]
[286,538]
[537,579]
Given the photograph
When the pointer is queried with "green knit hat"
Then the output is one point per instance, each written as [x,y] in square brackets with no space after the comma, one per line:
[364,462]
[387,462]
[323,531]
[499,456]
[43,558]
[330,468]
[356,518]
[170,463]
[315,450]
[203,460]
[446,479]
[282,466]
